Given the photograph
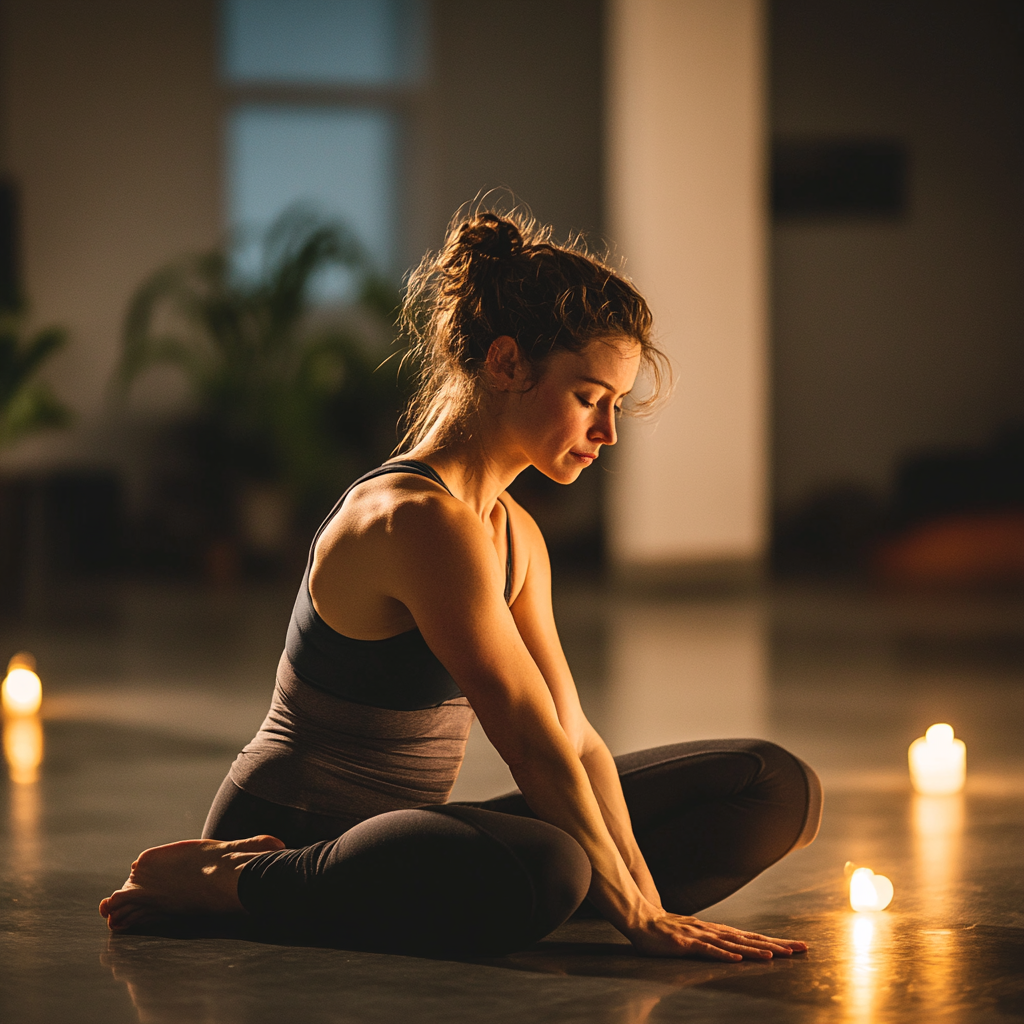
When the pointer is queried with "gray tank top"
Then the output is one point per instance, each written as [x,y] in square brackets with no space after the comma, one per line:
[358,727]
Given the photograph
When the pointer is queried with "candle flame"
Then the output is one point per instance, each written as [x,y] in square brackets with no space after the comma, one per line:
[21,692]
[940,735]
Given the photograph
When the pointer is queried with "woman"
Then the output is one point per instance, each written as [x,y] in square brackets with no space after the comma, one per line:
[426,599]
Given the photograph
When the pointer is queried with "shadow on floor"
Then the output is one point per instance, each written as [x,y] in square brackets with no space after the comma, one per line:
[859,962]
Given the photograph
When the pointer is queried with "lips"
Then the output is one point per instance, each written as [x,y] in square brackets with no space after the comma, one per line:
[589,456]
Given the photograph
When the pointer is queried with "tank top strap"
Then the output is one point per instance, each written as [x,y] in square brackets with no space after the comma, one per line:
[413,466]
[417,468]
[509,561]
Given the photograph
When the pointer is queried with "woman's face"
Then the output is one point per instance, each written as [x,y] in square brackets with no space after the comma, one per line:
[563,421]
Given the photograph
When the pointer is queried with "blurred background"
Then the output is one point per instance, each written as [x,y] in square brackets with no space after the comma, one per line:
[207,208]
[206,211]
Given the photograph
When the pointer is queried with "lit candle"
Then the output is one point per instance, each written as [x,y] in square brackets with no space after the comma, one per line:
[869,891]
[22,692]
[938,762]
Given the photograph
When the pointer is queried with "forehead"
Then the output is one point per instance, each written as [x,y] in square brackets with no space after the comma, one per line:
[614,360]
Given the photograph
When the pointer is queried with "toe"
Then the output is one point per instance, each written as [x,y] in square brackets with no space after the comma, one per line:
[128,919]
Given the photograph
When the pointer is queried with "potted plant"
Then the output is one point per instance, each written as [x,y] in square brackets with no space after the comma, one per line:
[289,405]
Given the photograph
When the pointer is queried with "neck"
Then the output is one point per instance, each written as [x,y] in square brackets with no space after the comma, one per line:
[477,464]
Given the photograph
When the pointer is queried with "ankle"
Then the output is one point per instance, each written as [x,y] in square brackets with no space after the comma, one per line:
[224,872]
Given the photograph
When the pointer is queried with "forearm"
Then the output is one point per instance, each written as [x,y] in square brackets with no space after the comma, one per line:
[604,780]
[559,791]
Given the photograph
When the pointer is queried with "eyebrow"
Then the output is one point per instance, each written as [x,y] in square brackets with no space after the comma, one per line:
[601,383]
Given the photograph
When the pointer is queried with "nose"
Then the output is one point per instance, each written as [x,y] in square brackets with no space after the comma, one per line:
[603,431]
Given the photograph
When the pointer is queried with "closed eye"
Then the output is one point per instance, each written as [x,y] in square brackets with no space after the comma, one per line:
[584,402]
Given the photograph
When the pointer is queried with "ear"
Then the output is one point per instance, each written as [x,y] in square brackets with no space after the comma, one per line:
[503,362]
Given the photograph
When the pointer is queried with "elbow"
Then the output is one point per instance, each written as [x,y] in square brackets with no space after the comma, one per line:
[587,739]
[541,757]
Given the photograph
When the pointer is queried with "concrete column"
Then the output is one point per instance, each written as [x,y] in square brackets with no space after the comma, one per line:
[687,210]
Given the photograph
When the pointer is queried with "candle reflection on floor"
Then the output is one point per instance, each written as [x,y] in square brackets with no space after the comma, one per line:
[868,936]
[23,748]
[938,825]
[23,751]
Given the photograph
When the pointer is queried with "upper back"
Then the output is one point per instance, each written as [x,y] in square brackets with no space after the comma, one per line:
[346,634]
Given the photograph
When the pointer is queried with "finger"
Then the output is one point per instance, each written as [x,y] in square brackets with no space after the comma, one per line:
[785,946]
[765,944]
[771,938]
[709,952]
[748,952]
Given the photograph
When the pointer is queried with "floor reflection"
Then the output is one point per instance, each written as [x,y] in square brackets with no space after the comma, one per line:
[137,741]
[866,933]
[159,997]
[938,826]
[23,748]
[223,987]
[23,752]
[684,672]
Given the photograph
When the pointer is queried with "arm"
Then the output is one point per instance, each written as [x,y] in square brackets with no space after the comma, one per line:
[535,620]
[439,563]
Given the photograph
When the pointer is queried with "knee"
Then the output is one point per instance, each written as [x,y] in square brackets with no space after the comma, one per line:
[815,803]
[561,882]
[794,784]
[550,866]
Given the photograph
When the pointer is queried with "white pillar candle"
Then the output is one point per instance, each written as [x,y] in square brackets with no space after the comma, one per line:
[938,762]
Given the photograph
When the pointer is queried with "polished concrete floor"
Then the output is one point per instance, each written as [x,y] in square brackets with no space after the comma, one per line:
[150,690]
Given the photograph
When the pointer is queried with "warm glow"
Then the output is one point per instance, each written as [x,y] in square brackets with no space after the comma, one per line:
[864,961]
[869,891]
[938,823]
[23,748]
[22,692]
[863,936]
[938,762]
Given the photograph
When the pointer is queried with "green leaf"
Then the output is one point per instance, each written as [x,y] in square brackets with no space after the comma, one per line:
[33,408]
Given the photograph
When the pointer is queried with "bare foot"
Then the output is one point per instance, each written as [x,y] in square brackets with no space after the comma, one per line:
[195,876]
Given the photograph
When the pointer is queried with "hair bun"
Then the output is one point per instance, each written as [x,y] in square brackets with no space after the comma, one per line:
[492,236]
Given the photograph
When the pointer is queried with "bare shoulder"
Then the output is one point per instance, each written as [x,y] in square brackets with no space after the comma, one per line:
[388,503]
[393,532]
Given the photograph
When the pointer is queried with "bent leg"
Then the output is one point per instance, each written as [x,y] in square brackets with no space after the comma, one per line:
[711,815]
[445,879]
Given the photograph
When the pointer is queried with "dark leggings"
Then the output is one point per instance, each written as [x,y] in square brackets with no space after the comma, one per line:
[488,877]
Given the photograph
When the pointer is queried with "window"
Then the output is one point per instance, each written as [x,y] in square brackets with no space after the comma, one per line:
[319,91]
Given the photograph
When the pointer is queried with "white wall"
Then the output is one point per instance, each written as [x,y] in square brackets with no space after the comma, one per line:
[686,209]
[111,113]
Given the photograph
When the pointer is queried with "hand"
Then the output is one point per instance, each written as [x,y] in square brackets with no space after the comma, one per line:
[665,934]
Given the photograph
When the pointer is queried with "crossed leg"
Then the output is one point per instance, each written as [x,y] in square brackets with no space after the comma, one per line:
[489,877]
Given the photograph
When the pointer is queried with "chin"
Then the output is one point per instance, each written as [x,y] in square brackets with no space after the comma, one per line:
[561,474]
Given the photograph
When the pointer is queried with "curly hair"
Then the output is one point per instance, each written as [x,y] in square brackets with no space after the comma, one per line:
[503,275]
